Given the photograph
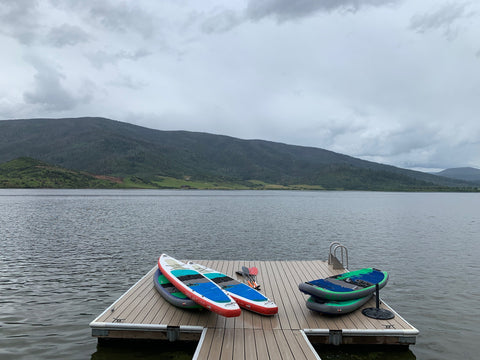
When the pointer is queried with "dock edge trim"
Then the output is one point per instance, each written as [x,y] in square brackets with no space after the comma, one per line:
[200,343]
[402,318]
[116,301]
[310,345]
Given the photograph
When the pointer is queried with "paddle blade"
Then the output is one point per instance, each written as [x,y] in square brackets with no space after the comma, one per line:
[253,284]
[253,271]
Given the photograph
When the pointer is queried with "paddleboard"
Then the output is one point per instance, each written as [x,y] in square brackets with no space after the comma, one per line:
[336,307]
[346,286]
[198,287]
[245,296]
[171,293]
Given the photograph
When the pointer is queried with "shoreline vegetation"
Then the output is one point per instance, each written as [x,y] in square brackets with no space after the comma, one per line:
[29,173]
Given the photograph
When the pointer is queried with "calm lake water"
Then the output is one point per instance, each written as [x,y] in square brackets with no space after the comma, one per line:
[66,255]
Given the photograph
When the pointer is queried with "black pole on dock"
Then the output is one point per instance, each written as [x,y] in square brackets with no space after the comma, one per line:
[376,312]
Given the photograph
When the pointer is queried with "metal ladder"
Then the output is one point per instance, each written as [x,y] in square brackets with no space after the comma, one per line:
[334,260]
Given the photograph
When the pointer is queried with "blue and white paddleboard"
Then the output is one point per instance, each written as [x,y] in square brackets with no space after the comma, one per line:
[245,296]
[198,287]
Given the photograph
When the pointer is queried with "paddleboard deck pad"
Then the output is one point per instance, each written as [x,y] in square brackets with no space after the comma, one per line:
[171,293]
[245,296]
[336,307]
[198,287]
[346,286]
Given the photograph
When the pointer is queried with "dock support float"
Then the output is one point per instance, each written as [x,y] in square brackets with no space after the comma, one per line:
[146,331]
[362,336]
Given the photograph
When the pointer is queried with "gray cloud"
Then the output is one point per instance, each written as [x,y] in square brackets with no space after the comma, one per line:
[284,10]
[48,92]
[66,35]
[122,17]
[221,21]
[24,21]
[400,141]
[445,19]
[19,20]
[129,82]
[100,58]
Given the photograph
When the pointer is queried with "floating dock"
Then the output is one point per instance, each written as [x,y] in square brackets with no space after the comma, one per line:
[141,313]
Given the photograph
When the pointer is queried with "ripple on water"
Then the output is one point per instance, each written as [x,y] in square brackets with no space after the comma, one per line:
[66,256]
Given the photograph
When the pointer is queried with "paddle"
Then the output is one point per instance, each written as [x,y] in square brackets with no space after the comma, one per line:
[253,273]
[250,280]
[246,275]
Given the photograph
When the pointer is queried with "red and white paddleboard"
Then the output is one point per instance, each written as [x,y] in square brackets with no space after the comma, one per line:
[245,296]
[198,287]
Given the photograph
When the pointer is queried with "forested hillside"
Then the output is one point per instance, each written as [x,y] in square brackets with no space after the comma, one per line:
[111,148]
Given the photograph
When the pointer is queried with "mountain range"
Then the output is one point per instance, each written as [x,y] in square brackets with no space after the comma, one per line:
[148,157]
[461,173]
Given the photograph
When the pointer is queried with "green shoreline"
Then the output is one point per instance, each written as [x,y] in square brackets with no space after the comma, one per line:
[28,173]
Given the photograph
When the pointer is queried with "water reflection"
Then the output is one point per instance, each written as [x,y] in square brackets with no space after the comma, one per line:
[65,256]
[354,352]
[145,350]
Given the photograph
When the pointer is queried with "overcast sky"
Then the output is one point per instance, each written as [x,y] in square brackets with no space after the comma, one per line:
[392,81]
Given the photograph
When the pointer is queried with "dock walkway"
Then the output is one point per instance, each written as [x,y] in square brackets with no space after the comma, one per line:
[141,313]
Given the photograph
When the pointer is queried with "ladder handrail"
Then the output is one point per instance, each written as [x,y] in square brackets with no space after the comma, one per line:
[333,254]
[330,253]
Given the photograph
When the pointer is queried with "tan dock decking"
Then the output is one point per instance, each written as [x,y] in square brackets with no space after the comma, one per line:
[141,313]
